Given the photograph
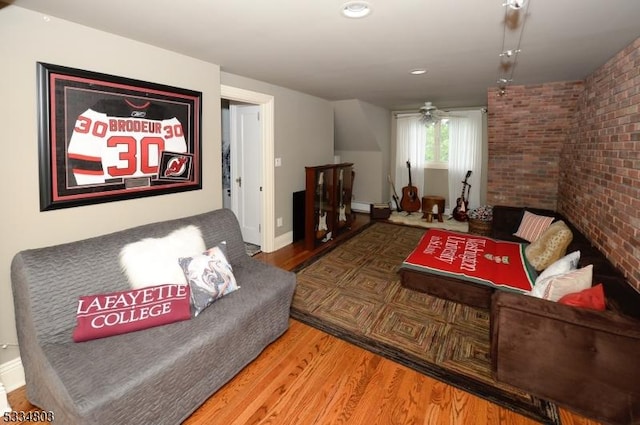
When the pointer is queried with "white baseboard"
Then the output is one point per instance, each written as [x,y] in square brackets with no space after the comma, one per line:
[11,375]
[364,207]
[283,240]
[4,403]
[361,207]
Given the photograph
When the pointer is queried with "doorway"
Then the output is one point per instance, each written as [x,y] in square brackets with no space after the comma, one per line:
[263,210]
[246,169]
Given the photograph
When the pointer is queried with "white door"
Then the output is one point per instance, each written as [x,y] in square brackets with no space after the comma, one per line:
[246,169]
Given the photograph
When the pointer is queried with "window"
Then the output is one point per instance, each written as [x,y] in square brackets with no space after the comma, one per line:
[437,145]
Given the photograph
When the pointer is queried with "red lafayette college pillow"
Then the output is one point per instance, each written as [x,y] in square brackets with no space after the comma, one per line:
[115,313]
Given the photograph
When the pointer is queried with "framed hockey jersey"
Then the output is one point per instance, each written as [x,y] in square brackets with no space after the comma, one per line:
[104,138]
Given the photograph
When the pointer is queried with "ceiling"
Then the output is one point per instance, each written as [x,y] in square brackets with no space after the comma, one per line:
[307,45]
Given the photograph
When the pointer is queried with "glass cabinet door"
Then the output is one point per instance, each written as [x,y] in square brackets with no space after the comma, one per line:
[329,189]
[344,194]
[323,203]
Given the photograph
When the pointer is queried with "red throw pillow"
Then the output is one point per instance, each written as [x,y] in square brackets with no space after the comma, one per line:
[115,313]
[592,298]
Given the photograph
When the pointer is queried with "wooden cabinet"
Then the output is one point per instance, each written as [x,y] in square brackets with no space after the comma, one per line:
[328,195]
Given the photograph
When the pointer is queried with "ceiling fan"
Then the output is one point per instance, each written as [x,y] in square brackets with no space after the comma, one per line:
[430,114]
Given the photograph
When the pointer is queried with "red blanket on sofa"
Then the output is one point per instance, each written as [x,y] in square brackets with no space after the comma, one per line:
[473,258]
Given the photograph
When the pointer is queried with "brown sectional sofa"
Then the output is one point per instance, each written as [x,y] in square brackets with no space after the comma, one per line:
[586,360]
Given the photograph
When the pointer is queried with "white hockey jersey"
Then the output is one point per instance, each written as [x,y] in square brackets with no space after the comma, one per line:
[104,147]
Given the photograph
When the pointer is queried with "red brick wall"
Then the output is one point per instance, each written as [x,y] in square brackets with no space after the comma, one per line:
[599,186]
[527,129]
[575,147]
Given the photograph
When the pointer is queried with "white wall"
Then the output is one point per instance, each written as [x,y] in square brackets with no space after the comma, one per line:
[363,136]
[28,38]
[367,185]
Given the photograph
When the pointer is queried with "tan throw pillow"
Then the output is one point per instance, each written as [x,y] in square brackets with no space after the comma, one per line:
[550,246]
[532,226]
[556,287]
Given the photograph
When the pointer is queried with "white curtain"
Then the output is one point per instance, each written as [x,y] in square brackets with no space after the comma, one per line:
[465,153]
[410,146]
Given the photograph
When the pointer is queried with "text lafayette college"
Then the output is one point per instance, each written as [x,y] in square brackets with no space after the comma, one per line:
[132,306]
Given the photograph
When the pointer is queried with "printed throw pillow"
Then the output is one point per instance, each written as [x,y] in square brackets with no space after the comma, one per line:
[115,313]
[153,261]
[210,277]
[557,287]
[550,247]
[564,265]
[592,298]
[532,226]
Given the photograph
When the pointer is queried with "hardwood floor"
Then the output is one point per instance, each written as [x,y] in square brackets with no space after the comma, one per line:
[309,377]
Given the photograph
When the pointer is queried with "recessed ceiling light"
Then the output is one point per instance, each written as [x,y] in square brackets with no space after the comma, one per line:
[418,71]
[356,9]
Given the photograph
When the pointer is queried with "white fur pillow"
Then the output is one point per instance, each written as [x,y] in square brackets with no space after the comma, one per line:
[154,261]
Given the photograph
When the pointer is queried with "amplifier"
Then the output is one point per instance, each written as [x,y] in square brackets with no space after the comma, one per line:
[380,211]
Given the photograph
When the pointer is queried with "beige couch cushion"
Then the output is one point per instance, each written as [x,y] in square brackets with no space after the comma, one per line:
[550,246]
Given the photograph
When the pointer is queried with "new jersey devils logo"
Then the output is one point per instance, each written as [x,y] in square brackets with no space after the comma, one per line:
[176,166]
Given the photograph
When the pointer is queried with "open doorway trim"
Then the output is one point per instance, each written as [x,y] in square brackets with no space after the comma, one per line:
[267,120]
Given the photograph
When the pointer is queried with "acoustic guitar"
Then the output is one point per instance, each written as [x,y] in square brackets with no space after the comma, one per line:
[410,201]
[462,203]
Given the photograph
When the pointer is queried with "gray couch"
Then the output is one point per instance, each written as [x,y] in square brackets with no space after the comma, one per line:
[155,376]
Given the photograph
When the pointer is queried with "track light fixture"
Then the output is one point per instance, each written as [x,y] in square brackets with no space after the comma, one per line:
[514,20]
[514,4]
[509,53]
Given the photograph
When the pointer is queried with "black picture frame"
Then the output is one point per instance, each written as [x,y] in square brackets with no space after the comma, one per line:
[105,138]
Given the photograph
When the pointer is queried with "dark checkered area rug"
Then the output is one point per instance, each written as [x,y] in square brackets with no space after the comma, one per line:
[354,293]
